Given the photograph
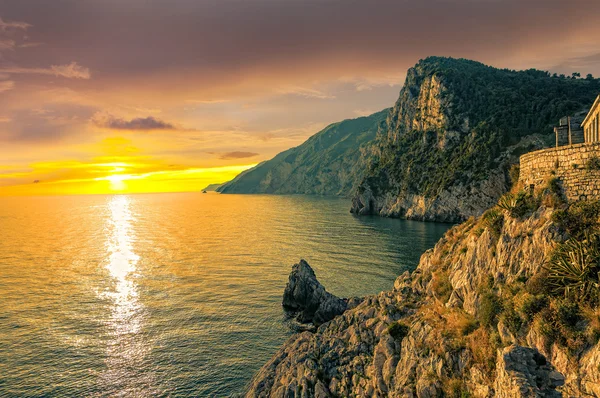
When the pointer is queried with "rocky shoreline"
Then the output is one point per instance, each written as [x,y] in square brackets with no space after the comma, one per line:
[462,324]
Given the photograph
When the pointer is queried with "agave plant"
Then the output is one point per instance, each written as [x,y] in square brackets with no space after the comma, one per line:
[493,219]
[517,204]
[507,202]
[574,270]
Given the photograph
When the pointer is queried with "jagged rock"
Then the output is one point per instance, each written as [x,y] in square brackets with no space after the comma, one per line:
[524,372]
[306,296]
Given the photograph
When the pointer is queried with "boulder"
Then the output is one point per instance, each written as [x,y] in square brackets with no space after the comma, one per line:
[524,372]
[305,296]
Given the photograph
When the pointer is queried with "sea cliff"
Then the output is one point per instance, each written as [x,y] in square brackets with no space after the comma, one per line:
[488,312]
[458,126]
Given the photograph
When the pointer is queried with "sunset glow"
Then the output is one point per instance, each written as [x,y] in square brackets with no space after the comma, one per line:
[86,109]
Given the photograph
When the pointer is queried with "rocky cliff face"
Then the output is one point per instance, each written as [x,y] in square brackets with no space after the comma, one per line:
[455,130]
[474,319]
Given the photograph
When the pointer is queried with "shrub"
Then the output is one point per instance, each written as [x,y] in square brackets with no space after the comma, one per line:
[578,219]
[554,186]
[398,330]
[511,319]
[538,283]
[493,219]
[561,323]
[574,268]
[514,173]
[593,163]
[455,388]
[568,314]
[490,307]
[519,204]
[532,305]
[483,346]
[441,286]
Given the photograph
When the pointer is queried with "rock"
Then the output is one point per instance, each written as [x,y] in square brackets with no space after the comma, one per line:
[524,372]
[308,298]
[404,342]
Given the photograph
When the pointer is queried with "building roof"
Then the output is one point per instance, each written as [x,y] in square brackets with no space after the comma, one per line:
[592,109]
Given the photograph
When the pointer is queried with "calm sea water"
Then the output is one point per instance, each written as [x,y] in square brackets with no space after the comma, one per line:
[172,294]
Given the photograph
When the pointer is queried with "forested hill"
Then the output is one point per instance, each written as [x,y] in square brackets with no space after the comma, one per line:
[328,163]
[454,132]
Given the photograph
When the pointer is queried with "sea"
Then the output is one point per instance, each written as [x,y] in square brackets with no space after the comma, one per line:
[173,295]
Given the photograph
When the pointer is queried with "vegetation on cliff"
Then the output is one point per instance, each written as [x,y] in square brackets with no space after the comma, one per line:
[505,305]
[329,163]
[457,124]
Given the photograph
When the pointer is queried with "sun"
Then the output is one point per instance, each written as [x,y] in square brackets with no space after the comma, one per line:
[116,178]
[117,181]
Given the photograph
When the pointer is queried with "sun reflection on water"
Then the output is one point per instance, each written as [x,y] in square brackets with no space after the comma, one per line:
[126,346]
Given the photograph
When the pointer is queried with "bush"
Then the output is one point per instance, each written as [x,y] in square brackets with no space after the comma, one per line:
[538,283]
[490,307]
[554,186]
[511,320]
[578,219]
[483,346]
[514,173]
[574,269]
[519,204]
[441,286]
[593,163]
[493,219]
[532,305]
[561,323]
[398,330]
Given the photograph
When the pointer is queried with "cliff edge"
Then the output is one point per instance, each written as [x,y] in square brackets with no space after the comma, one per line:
[505,305]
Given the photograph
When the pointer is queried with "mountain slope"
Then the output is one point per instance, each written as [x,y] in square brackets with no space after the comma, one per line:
[455,130]
[328,163]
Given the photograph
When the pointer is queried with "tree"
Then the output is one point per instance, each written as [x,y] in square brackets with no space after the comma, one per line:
[576,75]
[589,77]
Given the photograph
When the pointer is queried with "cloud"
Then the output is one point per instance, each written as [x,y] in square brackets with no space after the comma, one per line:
[140,123]
[237,155]
[305,92]
[7,44]
[586,63]
[5,26]
[47,123]
[69,71]
[6,85]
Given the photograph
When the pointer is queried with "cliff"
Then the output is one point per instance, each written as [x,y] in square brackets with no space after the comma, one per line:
[331,162]
[457,127]
[505,305]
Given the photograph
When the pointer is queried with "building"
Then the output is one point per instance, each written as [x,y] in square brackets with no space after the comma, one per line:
[591,123]
[569,131]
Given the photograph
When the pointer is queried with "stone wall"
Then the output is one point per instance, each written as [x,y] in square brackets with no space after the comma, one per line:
[569,164]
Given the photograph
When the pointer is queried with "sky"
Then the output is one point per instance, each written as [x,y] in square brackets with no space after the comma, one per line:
[101,96]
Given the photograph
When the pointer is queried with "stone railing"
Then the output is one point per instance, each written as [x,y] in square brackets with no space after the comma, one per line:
[568,163]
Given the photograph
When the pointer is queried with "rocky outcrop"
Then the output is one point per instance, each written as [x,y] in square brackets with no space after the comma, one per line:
[435,333]
[305,296]
[524,372]
[456,128]
[457,203]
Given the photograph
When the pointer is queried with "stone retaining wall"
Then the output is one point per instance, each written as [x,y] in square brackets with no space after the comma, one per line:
[569,164]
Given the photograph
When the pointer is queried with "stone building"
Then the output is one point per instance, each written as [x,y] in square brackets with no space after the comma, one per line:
[575,162]
[569,131]
[591,123]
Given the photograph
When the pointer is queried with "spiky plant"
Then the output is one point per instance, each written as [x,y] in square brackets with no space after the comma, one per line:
[517,205]
[493,219]
[574,269]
